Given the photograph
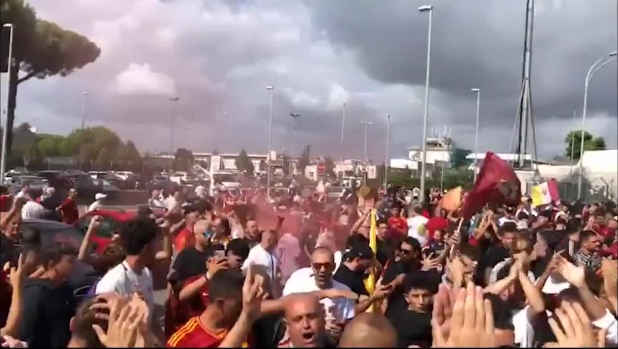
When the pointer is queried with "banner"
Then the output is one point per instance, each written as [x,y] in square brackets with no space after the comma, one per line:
[451,201]
[370,282]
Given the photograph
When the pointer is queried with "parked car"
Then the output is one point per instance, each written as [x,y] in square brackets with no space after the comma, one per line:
[56,179]
[112,221]
[87,187]
[34,181]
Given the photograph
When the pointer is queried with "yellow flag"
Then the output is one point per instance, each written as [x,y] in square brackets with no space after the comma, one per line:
[370,282]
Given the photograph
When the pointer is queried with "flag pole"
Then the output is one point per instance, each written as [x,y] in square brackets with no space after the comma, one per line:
[370,282]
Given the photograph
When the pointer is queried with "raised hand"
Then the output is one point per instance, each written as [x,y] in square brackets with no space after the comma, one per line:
[144,337]
[252,295]
[472,323]
[122,326]
[215,264]
[575,275]
[16,274]
[443,309]
[575,329]
[429,263]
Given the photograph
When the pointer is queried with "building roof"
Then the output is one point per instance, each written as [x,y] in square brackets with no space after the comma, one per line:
[602,159]
[503,156]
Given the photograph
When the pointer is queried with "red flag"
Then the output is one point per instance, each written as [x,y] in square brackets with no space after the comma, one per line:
[496,183]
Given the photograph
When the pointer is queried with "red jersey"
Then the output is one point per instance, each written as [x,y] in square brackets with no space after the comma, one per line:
[194,335]
[69,211]
[398,226]
[5,203]
[183,239]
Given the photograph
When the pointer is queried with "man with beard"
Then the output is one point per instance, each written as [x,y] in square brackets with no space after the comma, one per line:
[252,234]
[305,322]
[414,324]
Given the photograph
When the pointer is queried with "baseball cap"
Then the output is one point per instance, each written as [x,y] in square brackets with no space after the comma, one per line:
[359,250]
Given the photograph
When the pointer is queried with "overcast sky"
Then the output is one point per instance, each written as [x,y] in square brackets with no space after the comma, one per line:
[218,56]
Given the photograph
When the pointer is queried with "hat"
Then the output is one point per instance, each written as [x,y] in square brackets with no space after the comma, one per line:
[99,196]
[359,250]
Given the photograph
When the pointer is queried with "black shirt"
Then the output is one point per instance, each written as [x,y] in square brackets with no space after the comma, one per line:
[396,300]
[385,250]
[189,262]
[495,255]
[9,251]
[412,328]
[354,280]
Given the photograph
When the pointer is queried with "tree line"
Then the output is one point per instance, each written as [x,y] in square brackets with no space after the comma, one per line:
[41,49]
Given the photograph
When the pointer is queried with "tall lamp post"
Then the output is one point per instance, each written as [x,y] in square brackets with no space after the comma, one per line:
[173,101]
[387,161]
[295,119]
[270,88]
[342,129]
[476,132]
[593,69]
[429,9]
[5,130]
[81,154]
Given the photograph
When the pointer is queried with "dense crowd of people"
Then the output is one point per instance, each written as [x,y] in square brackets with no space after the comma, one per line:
[367,270]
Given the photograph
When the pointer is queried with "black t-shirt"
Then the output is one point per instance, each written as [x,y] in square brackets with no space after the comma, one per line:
[412,328]
[354,280]
[396,300]
[385,250]
[189,262]
[495,255]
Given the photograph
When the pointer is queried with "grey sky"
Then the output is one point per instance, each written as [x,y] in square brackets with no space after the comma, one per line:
[218,56]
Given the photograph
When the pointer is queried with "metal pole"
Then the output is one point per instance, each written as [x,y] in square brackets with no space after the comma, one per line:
[342,130]
[84,98]
[387,146]
[426,109]
[593,69]
[270,139]
[5,130]
[173,124]
[476,133]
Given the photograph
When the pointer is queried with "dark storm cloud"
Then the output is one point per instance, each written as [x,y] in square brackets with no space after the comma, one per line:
[479,43]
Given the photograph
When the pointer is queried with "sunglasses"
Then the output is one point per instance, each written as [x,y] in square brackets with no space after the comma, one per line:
[319,266]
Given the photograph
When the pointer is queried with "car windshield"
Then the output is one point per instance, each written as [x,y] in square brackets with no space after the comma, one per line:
[32,180]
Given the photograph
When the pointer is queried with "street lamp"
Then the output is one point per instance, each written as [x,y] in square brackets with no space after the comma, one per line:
[5,131]
[426,8]
[387,161]
[270,88]
[342,129]
[173,101]
[84,98]
[593,69]
[295,118]
[365,157]
[476,132]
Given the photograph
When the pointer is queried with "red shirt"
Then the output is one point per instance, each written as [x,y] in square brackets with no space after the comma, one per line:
[183,239]
[398,226]
[194,335]
[5,203]
[69,211]
[435,223]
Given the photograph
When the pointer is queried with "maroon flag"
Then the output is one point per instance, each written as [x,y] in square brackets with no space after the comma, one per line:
[496,183]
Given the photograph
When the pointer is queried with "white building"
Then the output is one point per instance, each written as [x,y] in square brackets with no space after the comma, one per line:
[438,151]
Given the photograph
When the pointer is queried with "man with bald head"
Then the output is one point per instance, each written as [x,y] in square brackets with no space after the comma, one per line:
[305,323]
[369,330]
[320,277]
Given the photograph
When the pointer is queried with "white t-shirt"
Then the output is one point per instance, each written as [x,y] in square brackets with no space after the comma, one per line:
[124,281]
[416,228]
[152,202]
[258,255]
[302,281]
[94,206]
[22,194]
[32,209]
[171,204]
[524,331]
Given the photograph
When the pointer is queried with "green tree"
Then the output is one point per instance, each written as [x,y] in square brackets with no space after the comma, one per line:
[41,49]
[243,163]
[330,166]
[183,160]
[458,157]
[49,145]
[130,156]
[103,159]
[86,144]
[573,138]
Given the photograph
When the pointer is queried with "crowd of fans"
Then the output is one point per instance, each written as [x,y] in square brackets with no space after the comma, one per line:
[368,270]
